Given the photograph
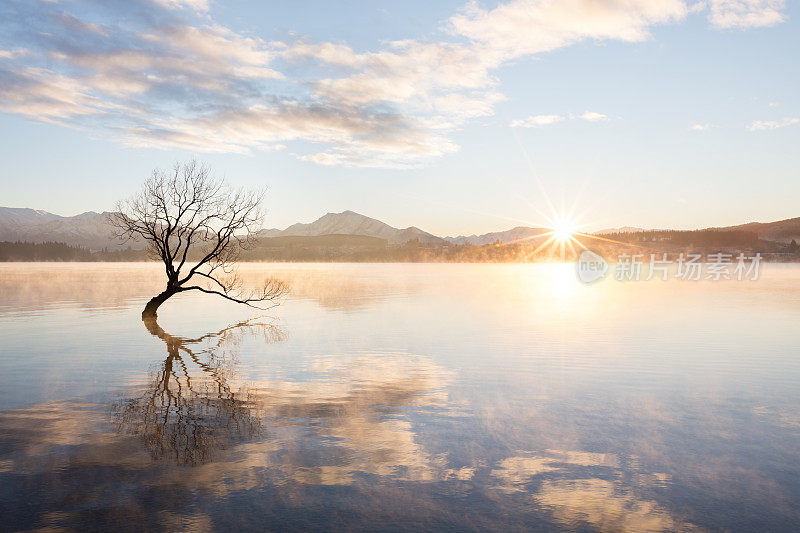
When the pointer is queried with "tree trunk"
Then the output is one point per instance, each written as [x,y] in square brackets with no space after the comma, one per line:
[153,305]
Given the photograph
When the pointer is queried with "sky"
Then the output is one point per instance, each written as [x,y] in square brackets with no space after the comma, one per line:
[454,116]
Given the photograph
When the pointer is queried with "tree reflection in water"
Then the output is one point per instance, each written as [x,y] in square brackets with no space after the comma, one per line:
[190,410]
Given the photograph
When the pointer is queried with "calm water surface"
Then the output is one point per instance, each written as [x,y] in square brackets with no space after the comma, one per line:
[391,397]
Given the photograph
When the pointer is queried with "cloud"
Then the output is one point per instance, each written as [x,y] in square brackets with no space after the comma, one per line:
[523,27]
[746,13]
[47,96]
[442,84]
[165,74]
[536,120]
[11,54]
[166,79]
[354,137]
[197,5]
[699,127]
[423,77]
[331,53]
[592,116]
[760,125]
[463,106]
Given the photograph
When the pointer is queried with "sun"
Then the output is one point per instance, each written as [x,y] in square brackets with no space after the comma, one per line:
[563,229]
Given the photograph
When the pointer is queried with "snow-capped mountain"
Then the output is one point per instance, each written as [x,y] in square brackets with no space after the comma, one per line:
[351,223]
[89,229]
[519,234]
[13,216]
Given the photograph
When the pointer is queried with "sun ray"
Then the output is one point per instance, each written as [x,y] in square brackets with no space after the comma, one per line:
[605,239]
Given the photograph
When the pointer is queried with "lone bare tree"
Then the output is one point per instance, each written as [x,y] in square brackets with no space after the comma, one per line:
[197,226]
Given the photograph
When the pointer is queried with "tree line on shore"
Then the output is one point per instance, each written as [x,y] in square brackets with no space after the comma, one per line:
[59,251]
[356,248]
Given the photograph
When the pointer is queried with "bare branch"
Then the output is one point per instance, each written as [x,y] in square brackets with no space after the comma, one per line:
[272,291]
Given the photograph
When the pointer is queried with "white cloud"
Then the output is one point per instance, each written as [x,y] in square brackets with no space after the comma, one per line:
[331,53]
[760,125]
[407,72]
[536,120]
[453,109]
[746,13]
[700,127]
[353,137]
[545,120]
[523,27]
[12,54]
[592,116]
[163,73]
[214,46]
[697,7]
[197,5]
[48,96]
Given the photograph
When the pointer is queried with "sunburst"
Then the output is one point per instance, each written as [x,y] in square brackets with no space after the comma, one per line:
[563,236]
[564,229]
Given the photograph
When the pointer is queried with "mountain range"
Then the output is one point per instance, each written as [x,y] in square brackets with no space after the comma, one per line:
[90,229]
[518,234]
[351,223]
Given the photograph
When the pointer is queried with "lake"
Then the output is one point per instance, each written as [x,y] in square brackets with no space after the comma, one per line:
[400,397]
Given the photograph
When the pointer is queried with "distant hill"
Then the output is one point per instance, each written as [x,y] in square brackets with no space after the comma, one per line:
[780,231]
[519,234]
[623,229]
[351,223]
[322,241]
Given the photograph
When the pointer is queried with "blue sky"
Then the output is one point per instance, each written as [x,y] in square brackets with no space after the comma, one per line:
[456,117]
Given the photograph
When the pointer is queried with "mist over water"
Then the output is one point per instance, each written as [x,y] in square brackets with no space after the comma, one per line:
[438,396]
